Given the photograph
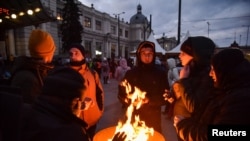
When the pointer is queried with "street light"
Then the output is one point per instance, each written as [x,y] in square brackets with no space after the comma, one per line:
[247,32]
[208,29]
[118,25]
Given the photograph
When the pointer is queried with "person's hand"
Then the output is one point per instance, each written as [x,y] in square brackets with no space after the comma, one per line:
[88,102]
[139,102]
[177,119]
[167,96]
[184,73]
[120,136]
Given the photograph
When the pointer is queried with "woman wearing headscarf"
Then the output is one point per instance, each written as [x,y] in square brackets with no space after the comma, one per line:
[121,69]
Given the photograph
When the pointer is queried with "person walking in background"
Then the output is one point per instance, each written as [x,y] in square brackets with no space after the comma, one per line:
[97,66]
[228,105]
[149,78]
[28,72]
[94,89]
[173,75]
[105,71]
[193,89]
[121,69]
[173,72]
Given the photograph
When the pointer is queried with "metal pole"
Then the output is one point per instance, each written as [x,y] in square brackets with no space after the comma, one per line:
[179,23]
[208,29]
[119,50]
[118,35]
[247,34]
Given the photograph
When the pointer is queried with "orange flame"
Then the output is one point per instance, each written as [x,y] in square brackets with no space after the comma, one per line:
[136,131]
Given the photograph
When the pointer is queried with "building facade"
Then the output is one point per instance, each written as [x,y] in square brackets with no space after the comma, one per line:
[100,36]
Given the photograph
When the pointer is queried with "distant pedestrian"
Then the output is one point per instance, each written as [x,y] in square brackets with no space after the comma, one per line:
[105,71]
[121,69]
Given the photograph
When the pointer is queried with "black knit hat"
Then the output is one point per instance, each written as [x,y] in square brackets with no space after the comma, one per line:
[78,46]
[200,48]
[227,60]
[63,83]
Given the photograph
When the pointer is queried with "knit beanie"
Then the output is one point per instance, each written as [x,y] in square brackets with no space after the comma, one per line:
[63,83]
[41,44]
[200,48]
[227,60]
[78,46]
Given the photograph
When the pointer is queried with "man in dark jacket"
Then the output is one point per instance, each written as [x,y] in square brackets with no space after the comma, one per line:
[150,79]
[28,72]
[229,106]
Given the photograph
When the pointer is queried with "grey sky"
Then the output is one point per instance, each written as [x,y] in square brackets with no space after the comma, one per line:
[228,19]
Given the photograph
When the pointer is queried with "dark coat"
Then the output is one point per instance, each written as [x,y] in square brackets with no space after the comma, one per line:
[49,120]
[195,92]
[28,74]
[154,82]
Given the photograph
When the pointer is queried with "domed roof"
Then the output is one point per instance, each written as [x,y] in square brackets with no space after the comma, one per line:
[138,18]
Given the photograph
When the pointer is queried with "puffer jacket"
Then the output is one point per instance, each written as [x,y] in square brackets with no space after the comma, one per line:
[28,74]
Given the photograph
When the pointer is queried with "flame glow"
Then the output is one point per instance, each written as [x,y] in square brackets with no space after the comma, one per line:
[136,131]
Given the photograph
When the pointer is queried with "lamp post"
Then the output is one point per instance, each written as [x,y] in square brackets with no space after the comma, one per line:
[179,24]
[247,32]
[163,40]
[208,29]
[118,26]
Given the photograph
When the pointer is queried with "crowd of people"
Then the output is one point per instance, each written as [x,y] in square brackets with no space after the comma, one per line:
[65,102]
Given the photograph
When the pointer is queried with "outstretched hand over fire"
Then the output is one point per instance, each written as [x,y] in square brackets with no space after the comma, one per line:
[138,102]
[167,96]
[120,136]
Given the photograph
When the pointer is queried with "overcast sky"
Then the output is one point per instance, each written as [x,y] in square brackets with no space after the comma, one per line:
[228,19]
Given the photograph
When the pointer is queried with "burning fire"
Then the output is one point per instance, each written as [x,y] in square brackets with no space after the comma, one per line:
[136,131]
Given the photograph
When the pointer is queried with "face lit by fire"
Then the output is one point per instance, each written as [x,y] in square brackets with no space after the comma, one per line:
[213,75]
[184,58]
[75,54]
[136,131]
[147,55]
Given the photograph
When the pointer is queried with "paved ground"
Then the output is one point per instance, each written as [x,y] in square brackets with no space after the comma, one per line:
[113,112]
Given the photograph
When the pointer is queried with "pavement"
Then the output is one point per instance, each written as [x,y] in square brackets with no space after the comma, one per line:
[113,112]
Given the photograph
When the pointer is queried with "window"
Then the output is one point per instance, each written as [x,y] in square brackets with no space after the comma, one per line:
[126,33]
[87,22]
[113,29]
[98,25]
[87,46]
[120,32]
